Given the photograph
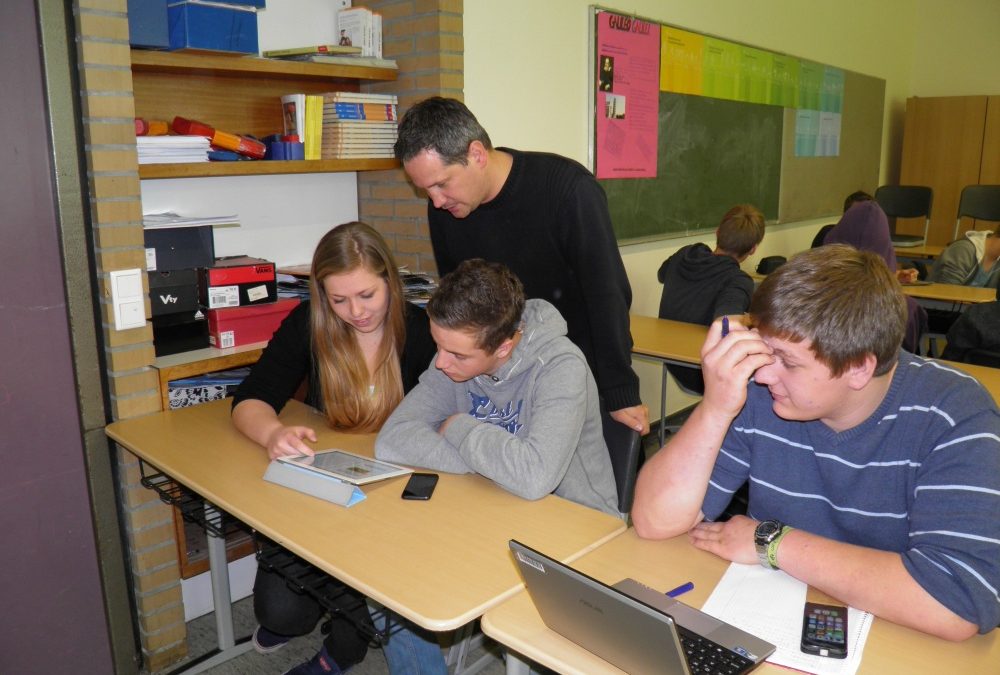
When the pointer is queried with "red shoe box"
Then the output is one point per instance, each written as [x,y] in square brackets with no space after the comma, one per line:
[237,326]
[237,281]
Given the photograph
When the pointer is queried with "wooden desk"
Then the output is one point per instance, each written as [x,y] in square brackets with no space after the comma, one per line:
[927,252]
[669,343]
[440,563]
[665,564]
[951,293]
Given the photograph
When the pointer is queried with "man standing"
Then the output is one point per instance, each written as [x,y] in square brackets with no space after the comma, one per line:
[874,474]
[543,216]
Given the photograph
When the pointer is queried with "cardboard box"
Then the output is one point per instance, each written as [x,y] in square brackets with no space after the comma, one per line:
[237,281]
[178,248]
[147,24]
[212,27]
[173,291]
[237,326]
[180,332]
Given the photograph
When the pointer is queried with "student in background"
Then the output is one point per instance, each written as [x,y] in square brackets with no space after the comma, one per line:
[359,347]
[874,474]
[508,397]
[851,200]
[865,226]
[970,261]
[701,284]
[543,216]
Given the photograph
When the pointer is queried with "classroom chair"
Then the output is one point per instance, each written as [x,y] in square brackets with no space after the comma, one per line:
[981,202]
[906,201]
[625,448]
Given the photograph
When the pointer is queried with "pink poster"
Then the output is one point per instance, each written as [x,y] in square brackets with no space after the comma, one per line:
[628,103]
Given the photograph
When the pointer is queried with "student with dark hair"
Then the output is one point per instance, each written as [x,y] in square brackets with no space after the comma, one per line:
[874,474]
[358,346]
[508,397]
[543,216]
[865,226]
[701,284]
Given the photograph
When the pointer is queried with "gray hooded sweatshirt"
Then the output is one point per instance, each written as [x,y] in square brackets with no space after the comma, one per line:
[962,259]
[533,427]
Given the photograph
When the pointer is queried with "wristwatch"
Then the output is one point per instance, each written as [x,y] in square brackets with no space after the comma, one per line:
[766,532]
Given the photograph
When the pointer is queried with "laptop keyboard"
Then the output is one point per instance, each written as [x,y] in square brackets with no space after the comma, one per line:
[707,657]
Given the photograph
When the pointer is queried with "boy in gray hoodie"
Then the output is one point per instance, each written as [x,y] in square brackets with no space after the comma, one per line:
[970,261]
[508,395]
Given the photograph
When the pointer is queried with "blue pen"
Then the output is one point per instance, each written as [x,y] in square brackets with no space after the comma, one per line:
[725,326]
[683,588]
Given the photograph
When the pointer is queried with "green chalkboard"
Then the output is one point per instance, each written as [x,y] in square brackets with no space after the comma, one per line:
[712,154]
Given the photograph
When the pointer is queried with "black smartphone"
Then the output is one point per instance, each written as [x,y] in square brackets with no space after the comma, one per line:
[824,630]
[420,486]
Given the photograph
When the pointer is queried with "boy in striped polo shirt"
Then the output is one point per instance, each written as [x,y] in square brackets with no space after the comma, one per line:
[874,474]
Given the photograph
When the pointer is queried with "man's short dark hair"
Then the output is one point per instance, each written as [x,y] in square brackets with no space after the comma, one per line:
[443,125]
[855,197]
[741,229]
[480,297]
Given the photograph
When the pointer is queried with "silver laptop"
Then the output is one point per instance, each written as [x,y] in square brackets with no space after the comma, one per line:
[630,625]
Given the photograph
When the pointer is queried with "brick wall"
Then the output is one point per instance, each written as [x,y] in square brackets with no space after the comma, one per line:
[116,215]
[425,39]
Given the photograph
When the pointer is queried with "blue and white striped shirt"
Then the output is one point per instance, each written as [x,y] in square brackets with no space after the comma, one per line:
[921,476]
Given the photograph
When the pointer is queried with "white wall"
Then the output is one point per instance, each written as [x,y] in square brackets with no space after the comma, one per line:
[282,217]
[544,65]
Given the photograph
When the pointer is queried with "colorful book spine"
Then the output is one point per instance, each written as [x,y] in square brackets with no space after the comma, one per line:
[362,111]
[314,126]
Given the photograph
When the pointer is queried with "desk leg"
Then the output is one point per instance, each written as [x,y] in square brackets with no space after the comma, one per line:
[223,601]
[516,665]
[663,403]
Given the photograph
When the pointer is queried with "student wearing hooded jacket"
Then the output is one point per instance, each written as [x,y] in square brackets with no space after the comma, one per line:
[700,285]
[971,261]
[509,396]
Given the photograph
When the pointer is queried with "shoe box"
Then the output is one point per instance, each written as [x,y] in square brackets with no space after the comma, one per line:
[237,281]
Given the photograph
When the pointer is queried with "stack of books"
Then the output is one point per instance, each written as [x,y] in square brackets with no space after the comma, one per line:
[357,125]
[361,27]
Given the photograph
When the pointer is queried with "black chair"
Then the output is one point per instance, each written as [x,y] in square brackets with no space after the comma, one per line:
[625,448]
[981,202]
[906,201]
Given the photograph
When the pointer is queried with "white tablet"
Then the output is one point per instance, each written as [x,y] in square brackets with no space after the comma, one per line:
[348,467]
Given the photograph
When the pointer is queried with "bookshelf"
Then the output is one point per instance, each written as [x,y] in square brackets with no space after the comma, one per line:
[240,94]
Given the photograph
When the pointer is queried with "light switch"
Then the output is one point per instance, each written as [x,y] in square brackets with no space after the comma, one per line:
[127,299]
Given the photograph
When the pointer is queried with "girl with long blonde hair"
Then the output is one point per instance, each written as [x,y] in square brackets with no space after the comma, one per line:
[356,347]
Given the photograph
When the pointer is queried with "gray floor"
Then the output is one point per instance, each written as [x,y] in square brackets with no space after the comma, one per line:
[202,639]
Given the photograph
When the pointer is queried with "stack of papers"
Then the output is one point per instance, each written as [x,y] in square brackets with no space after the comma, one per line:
[171,149]
[152,221]
[769,604]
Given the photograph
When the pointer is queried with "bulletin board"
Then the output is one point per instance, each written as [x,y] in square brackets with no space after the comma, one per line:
[734,127]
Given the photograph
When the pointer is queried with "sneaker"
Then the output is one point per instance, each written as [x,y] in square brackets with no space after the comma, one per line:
[266,642]
[321,664]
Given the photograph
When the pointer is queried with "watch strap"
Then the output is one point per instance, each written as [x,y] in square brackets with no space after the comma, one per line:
[772,547]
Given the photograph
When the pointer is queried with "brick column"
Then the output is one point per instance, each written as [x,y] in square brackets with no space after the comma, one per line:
[425,39]
[116,216]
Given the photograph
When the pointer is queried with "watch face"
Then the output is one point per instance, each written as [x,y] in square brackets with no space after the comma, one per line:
[766,530]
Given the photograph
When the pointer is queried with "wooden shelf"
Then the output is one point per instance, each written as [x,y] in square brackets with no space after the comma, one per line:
[251,67]
[262,168]
[200,361]
[240,95]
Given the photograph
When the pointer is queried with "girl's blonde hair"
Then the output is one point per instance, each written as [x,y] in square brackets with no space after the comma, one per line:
[344,380]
